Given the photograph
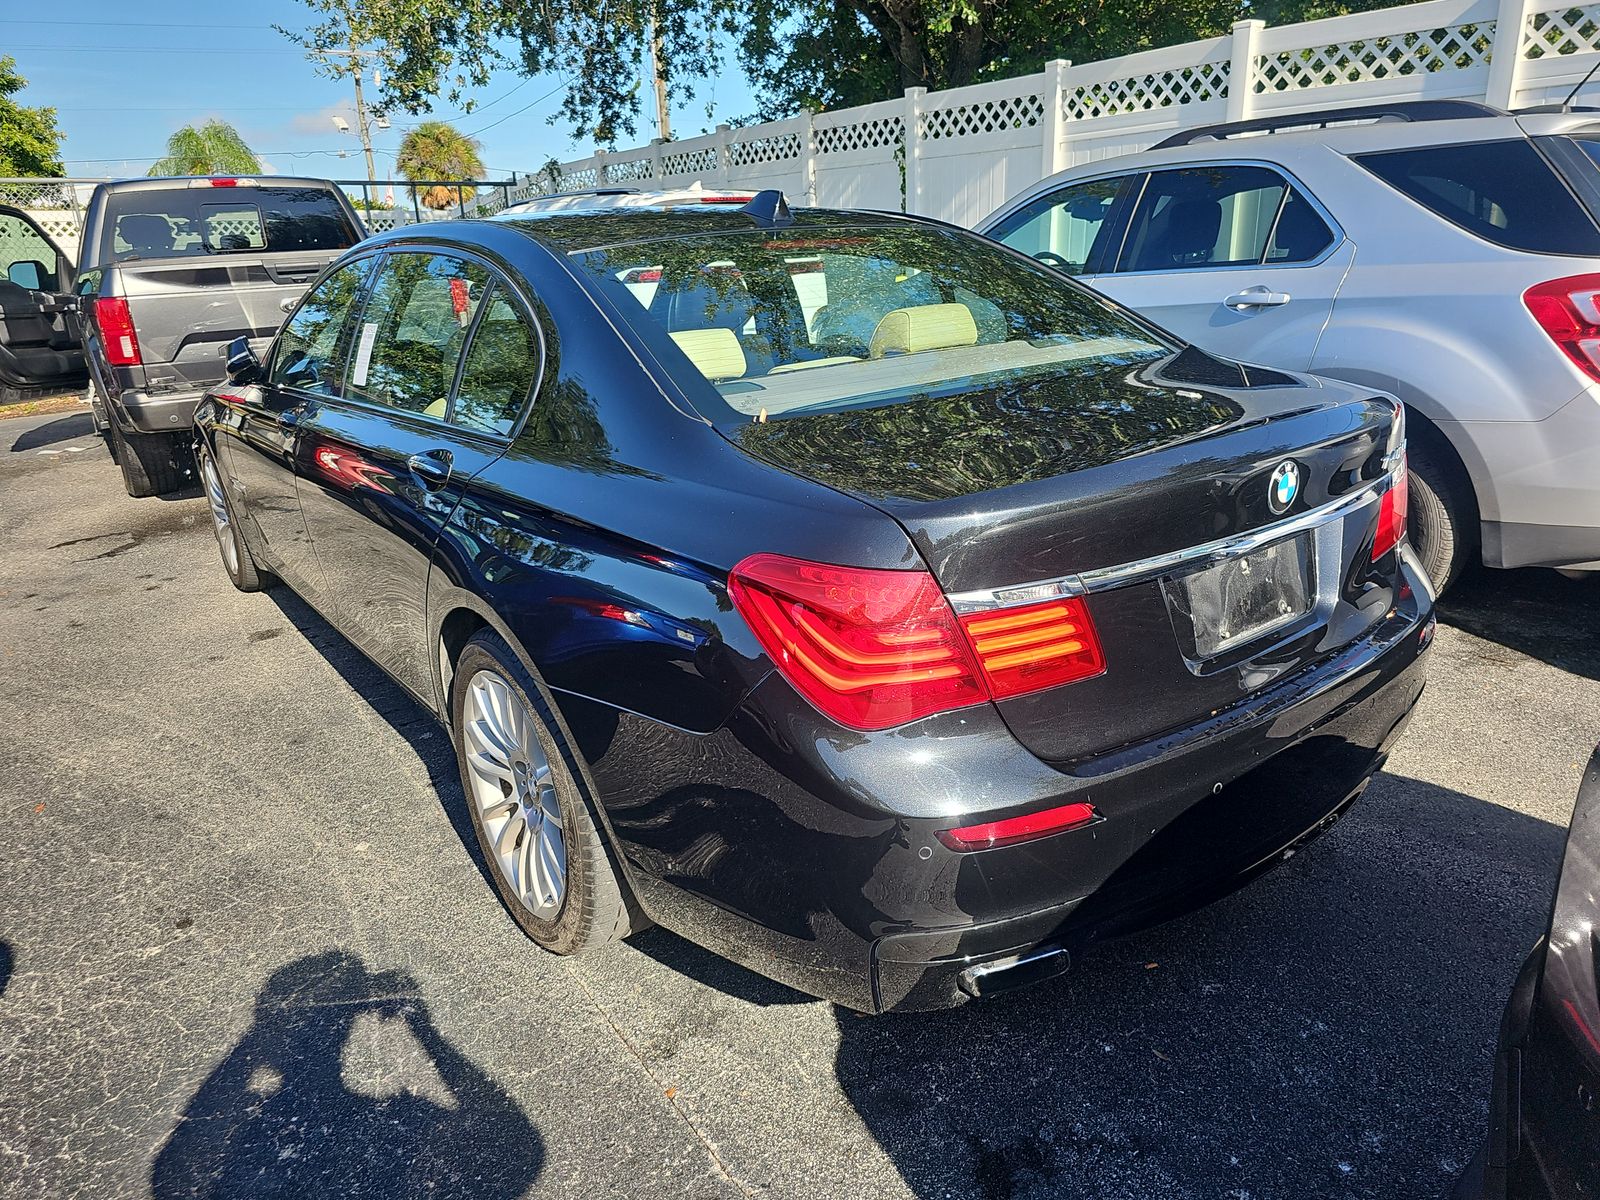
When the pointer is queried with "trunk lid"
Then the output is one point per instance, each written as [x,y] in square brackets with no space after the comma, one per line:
[1081,473]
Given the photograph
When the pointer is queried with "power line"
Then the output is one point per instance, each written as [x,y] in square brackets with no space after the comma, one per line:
[127,24]
[161,49]
[515,112]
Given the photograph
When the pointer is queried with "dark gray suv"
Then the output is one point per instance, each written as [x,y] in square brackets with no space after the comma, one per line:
[171,271]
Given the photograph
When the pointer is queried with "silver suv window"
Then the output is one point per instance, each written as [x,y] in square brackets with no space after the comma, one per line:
[1066,228]
[1221,216]
[1503,192]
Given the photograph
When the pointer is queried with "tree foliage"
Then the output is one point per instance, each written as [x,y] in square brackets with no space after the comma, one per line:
[821,54]
[438,150]
[214,148]
[30,143]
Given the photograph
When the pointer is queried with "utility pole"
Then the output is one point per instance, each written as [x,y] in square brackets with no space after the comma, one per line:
[663,109]
[361,110]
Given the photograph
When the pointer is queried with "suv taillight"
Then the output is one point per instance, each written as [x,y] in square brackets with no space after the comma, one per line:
[873,648]
[1392,512]
[1568,310]
[116,331]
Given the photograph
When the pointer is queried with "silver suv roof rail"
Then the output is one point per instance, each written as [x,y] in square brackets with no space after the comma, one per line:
[1412,110]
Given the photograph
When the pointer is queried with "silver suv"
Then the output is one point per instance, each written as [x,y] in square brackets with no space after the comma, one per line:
[1444,251]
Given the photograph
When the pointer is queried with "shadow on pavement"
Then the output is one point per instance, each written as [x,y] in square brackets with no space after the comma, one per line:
[1318,1034]
[1535,611]
[5,966]
[342,1088]
[62,430]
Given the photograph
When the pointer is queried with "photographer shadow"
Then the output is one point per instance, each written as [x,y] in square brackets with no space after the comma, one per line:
[343,1087]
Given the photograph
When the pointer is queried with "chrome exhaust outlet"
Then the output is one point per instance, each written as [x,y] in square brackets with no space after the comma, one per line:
[1003,974]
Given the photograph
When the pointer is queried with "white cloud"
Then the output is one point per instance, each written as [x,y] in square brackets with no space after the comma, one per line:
[321,121]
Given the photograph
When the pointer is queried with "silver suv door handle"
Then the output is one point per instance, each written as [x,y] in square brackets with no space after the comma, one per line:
[1256,297]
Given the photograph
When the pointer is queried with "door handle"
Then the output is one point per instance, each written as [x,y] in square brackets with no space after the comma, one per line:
[1256,297]
[287,303]
[289,418]
[431,467]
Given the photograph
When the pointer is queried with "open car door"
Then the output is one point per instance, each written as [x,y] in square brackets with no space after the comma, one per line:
[39,350]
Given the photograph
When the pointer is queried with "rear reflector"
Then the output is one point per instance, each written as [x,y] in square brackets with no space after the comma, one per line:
[1018,829]
[1392,513]
[1035,646]
[1568,309]
[870,648]
[116,331]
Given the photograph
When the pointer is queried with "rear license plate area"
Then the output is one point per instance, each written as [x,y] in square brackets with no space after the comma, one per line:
[1241,600]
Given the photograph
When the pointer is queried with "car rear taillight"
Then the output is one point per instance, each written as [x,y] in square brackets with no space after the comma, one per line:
[1018,829]
[1035,646]
[869,648]
[1569,311]
[116,331]
[874,648]
[1392,512]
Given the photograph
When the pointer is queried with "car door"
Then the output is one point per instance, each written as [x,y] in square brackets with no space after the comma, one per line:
[1234,257]
[1075,228]
[258,428]
[443,360]
[37,347]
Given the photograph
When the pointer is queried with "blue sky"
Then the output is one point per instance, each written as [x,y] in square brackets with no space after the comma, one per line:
[123,76]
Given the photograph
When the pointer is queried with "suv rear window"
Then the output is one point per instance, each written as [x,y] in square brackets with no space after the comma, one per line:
[1504,192]
[185,222]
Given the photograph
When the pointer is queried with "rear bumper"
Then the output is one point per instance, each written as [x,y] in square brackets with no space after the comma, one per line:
[810,853]
[164,412]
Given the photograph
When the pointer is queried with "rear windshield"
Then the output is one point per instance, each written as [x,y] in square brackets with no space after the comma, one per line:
[1503,192]
[786,322]
[186,222]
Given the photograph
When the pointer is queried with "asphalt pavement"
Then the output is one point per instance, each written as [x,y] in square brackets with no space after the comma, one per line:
[246,949]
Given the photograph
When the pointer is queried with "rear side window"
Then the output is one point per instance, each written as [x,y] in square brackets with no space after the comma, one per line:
[497,373]
[192,222]
[1503,192]
[1221,216]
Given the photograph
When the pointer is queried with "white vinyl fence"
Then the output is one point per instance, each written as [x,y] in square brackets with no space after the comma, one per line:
[959,154]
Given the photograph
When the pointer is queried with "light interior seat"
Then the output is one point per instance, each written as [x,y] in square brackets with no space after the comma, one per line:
[716,353]
[925,327]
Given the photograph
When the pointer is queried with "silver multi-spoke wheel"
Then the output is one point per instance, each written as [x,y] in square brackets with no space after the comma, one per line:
[219,514]
[514,793]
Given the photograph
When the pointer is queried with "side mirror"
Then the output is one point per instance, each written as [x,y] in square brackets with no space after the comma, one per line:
[243,365]
[28,273]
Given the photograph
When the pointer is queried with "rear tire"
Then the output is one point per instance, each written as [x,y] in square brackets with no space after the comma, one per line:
[1443,516]
[153,464]
[517,788]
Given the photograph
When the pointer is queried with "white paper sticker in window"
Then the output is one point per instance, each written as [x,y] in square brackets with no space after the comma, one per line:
[369,334]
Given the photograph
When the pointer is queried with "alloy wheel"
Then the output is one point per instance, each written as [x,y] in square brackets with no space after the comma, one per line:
[514,795]
[219,515]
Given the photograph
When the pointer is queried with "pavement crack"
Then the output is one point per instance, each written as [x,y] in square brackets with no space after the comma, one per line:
[662,1086]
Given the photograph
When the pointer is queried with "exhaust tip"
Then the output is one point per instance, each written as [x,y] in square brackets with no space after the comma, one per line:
[1019,970]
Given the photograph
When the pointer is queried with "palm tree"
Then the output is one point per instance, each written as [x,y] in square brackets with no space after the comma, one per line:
[438,150]
[215,148]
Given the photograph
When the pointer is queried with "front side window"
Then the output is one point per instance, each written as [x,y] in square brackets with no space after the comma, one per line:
[817,321]
[499,369]
[1064,228]
[1503,192]
[1219,216]
[313,346]
[413,329]
[27,258]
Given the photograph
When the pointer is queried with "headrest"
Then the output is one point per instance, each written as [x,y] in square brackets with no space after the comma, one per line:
[716,353]
[925,327]
[145,231]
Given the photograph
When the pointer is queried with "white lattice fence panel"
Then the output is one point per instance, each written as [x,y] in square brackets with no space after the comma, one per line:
[582,177]
[871,134]
[756,151]
[697,161]
[1370,60]
[983,117]
[1562,31]
[630,170]
[61,227]
[1143,93]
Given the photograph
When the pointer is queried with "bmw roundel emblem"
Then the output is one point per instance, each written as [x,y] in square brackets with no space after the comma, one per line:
[1283,487]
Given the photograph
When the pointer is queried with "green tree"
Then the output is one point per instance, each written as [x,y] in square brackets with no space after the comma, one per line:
[30,143]
[438,150]
[821,53]
[214,148]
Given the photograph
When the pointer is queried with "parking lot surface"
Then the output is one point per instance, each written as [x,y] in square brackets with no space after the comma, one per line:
[246,950]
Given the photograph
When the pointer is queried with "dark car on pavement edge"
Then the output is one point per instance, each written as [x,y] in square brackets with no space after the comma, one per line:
[172,270]
[897,635]
[1544,1109]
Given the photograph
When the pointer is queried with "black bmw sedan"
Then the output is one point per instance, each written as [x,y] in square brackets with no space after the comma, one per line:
[857,597]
